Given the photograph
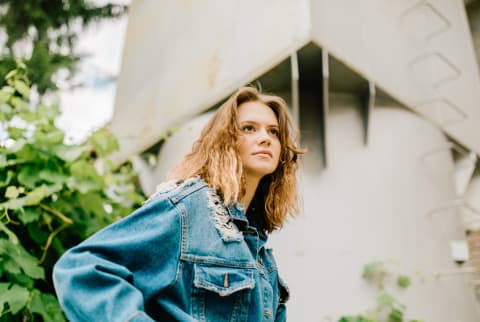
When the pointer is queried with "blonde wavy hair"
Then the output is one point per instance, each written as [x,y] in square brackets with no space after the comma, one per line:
[215,158]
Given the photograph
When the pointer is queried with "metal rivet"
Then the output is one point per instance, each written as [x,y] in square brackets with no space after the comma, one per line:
[225,280]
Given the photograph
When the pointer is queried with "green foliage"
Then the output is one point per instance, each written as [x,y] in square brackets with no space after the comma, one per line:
[52,196]
[375,272]
[387,307]
[51,28]
[403,281]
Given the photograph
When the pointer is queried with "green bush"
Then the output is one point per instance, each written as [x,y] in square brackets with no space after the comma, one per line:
[52,196]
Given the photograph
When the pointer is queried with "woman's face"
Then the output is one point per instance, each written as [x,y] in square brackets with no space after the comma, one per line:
[259,140]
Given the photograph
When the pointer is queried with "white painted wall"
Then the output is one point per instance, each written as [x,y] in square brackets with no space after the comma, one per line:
[373,202]
[470,208]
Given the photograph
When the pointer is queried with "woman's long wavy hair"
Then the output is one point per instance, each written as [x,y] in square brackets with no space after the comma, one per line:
[215,158]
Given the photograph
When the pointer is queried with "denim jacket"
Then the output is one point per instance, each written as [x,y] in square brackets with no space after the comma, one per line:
[182,256]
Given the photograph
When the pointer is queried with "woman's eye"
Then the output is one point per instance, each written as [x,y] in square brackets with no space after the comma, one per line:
[274,132]
[247,128]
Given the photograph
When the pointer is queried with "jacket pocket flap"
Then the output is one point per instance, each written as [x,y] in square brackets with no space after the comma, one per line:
[223,280]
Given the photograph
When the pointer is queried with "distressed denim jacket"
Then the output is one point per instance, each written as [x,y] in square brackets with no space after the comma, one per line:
[182,256]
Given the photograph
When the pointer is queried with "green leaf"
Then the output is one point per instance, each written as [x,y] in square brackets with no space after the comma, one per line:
[375,273]
[36,195]
[12,192]
[13,204]
[50,112]
[11,267]
[15,133]
[3,161]
[20,279]
[38,234]
[82,185]
[29,117]
[29,266]
[22,88]
[103,142]
[47,306]
[84,177]
[28,176]
[386,300]
[27,153]
[10,234]
[50,138]
[8,89]
[5,181]
[4,97]
[17,146]
[372,269]
[347,319]
[94,204]
[52,175]
[18,103]
[6,109]
[11,74]
[83,169]
[395,316]
[28,215]
[22,259]
[7,163]
[69,153]
[16,297]
[403,281]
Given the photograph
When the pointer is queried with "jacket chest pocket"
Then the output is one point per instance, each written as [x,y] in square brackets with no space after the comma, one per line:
[221,293]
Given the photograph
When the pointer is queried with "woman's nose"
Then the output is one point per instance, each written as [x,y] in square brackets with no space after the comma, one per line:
[263,137]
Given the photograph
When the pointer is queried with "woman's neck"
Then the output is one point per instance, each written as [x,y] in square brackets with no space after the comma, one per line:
[251,184]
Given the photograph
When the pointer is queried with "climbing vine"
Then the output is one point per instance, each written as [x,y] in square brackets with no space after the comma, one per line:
[52,196]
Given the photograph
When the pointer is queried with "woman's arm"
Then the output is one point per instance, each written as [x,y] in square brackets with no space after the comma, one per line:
[111,275]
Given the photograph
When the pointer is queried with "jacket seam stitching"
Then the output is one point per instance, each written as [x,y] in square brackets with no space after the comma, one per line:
[180,251]
[220,262]
[177,195]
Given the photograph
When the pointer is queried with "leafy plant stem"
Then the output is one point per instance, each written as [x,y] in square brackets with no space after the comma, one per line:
[57,214]
[9,220]
[50,240]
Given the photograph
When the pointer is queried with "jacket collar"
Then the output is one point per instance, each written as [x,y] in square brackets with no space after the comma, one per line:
[237,212]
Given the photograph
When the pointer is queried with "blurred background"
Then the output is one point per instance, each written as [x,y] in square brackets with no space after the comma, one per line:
[386,94]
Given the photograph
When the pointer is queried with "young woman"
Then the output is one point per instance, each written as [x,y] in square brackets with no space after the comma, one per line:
[195,251]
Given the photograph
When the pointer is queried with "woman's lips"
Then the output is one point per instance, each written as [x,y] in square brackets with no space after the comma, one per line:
[263,153]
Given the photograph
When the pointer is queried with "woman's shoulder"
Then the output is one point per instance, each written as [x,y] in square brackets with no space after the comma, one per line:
[177,190]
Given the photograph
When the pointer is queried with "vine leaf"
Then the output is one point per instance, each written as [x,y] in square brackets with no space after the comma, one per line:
[18,257]
[16,297]
[47,306]
[11,236]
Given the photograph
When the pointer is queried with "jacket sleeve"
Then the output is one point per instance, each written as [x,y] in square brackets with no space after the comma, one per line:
[111,275]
